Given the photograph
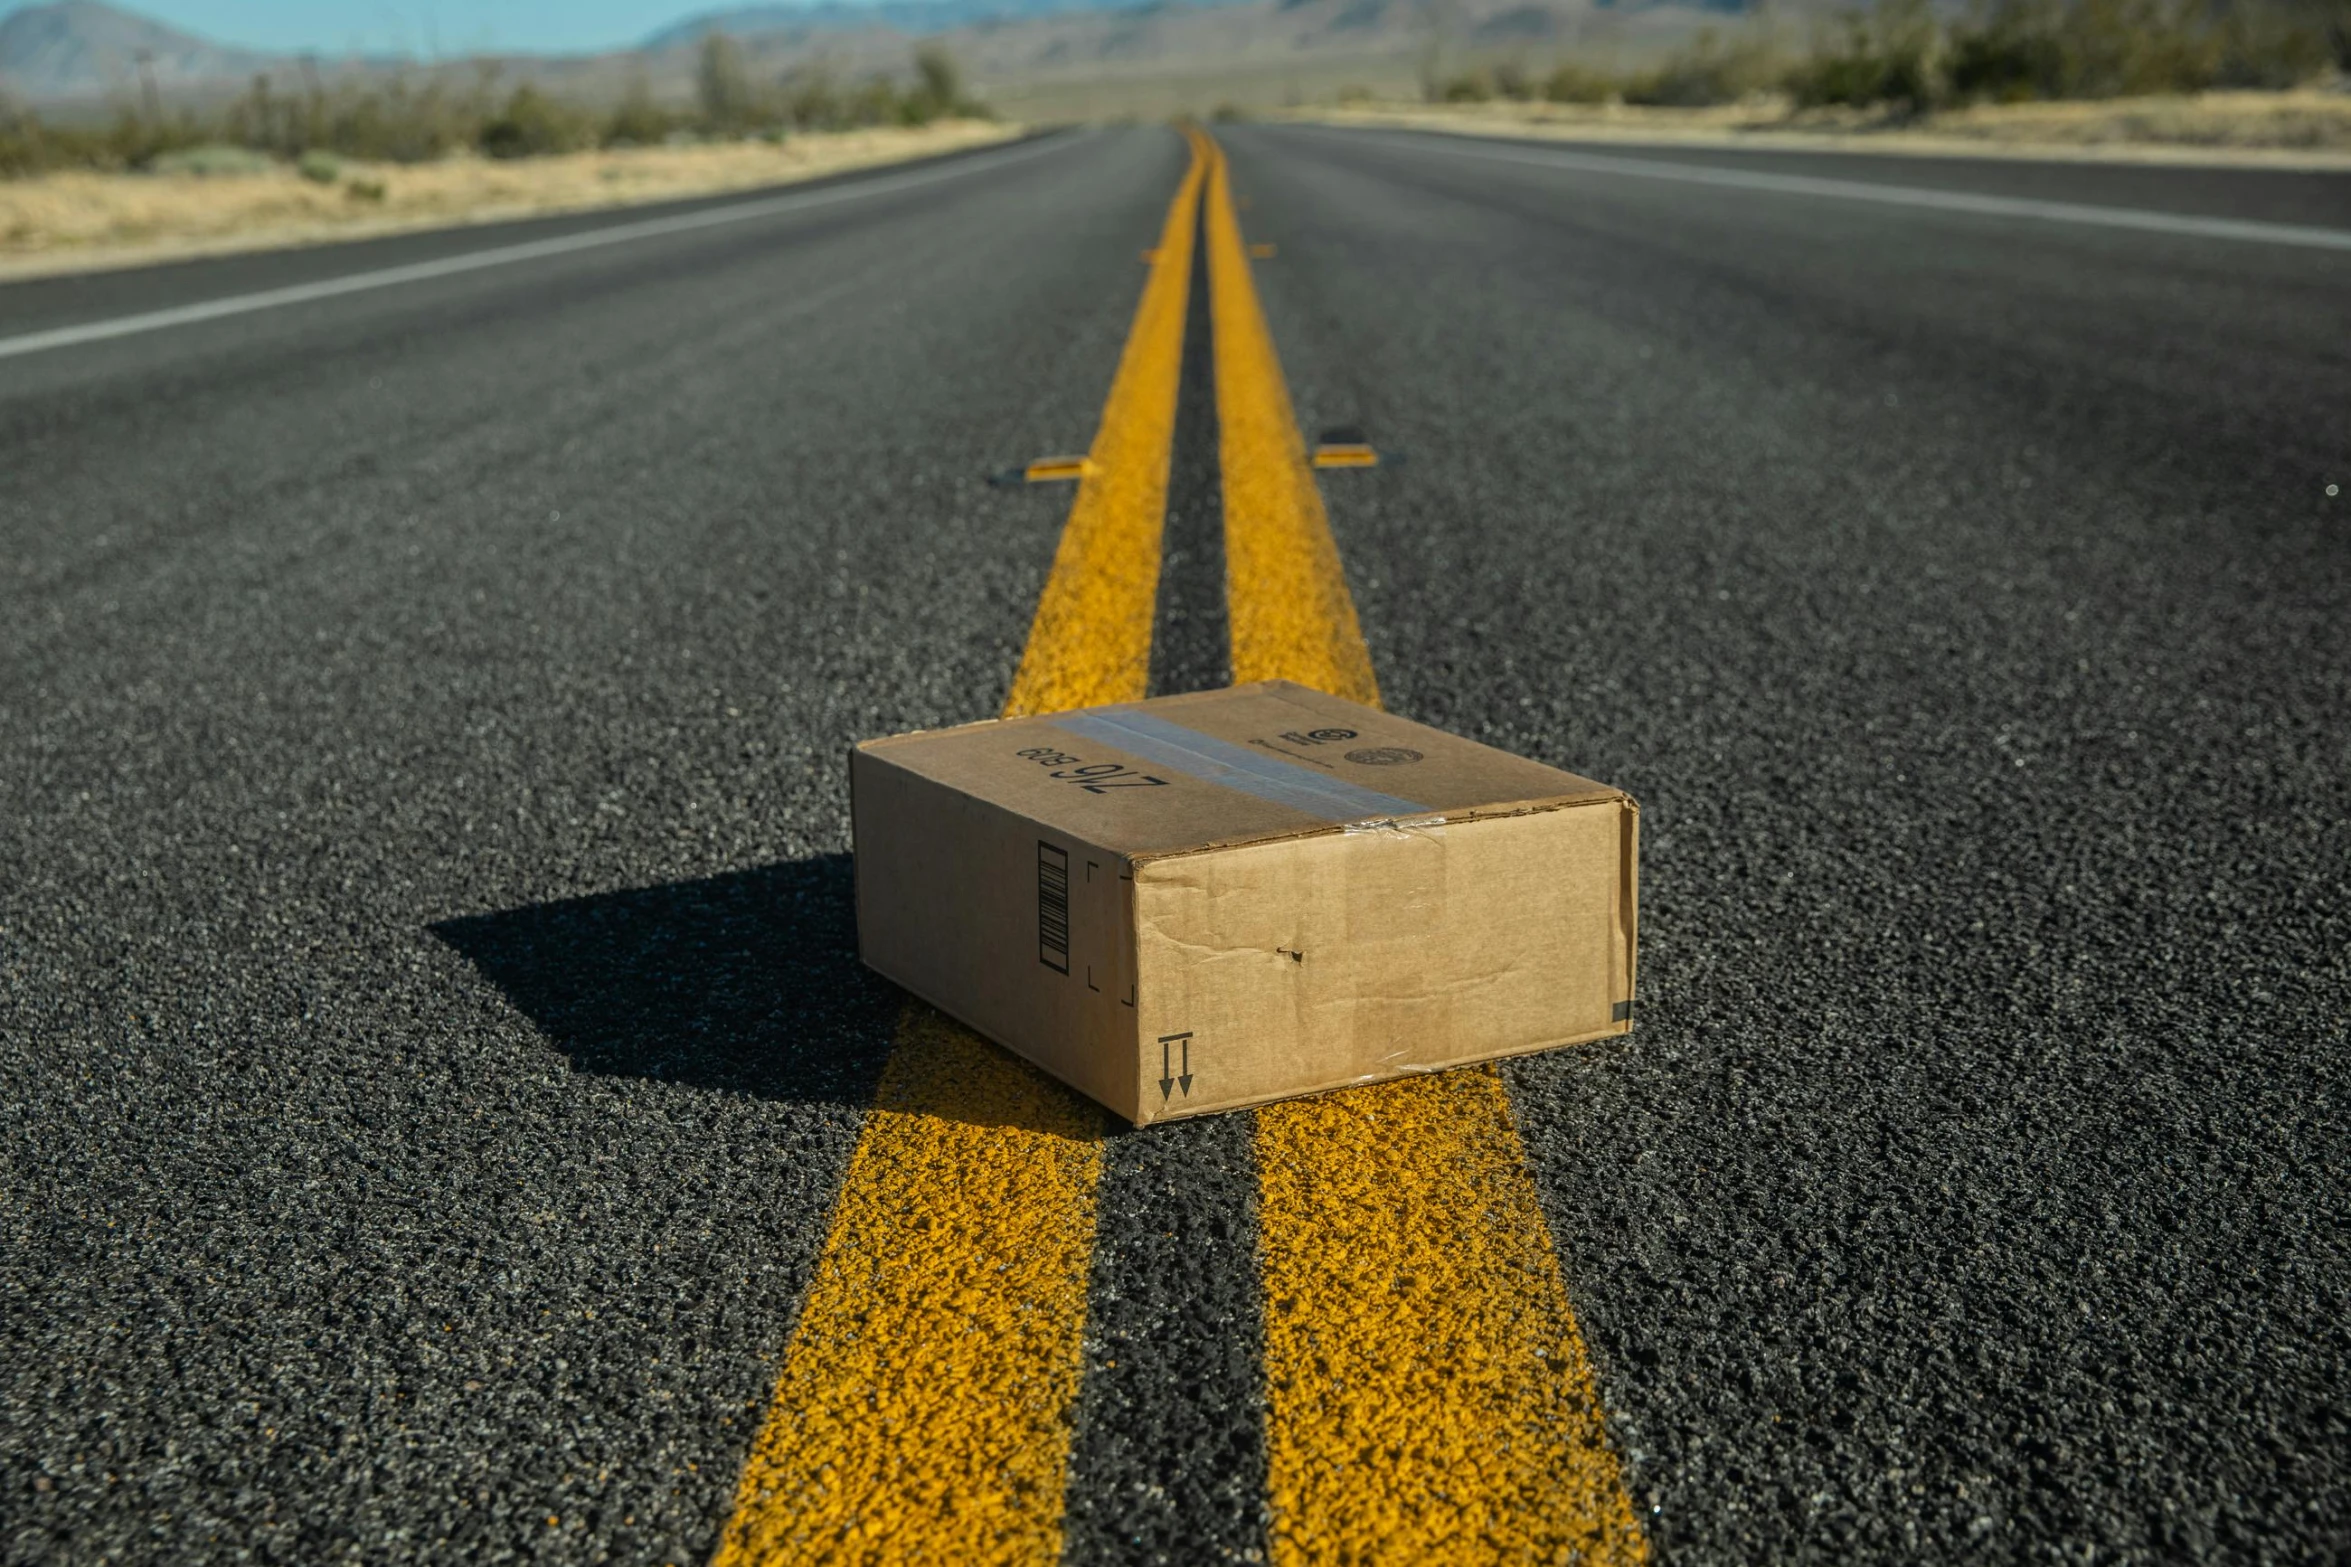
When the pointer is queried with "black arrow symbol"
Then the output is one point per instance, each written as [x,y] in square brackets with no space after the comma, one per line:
[1167,1080]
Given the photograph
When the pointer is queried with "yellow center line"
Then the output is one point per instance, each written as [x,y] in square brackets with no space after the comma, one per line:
[1288,605]
[1428,1394]
[1091,641]
[923,1409]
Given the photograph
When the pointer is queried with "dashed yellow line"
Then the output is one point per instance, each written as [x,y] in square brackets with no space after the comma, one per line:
[923,1410]
[1428,1395]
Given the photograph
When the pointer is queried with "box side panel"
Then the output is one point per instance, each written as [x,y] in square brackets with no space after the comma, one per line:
[1628,912]
[1310,964]
[1015,930]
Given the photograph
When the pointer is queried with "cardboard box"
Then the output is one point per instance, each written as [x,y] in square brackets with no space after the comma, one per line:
[1214,900]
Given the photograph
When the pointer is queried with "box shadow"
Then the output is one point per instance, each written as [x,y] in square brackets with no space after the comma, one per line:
[747,982]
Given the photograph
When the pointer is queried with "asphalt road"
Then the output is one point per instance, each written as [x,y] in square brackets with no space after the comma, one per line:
[430,1031]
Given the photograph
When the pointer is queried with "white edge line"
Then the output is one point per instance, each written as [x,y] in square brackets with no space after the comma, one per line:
[503,255]
[2138,218]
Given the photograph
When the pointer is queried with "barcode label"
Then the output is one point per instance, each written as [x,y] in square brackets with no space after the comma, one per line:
[1053,907]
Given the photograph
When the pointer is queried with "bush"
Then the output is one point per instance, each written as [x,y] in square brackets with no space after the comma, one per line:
[723,86]
[1899,56]
[2112,47]
[639,121]
[2275,46]
[938,86]
[393,124]
[317,130]
[811,101]
[1709,72]
[2014,50]
[400,125]
[875,102]
[1573,83]
[1888,57]
[2011,53]
[534,125]
[211,159]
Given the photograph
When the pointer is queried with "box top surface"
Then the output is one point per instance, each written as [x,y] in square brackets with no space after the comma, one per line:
[1212,769]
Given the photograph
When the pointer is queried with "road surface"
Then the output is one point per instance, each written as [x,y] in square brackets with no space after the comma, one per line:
[431,1040]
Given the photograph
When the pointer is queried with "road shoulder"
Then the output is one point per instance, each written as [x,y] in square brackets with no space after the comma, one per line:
[2122,133]
[84,222]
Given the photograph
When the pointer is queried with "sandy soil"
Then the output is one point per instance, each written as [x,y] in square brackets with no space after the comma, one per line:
[2307,129]
[76,222]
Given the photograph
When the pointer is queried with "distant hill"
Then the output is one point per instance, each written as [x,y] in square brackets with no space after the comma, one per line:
[913,18]
[81,48]
[1044,59]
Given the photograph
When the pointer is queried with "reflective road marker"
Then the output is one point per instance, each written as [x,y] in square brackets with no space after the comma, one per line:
[923,1411]
[1429,1398]
[1053,470]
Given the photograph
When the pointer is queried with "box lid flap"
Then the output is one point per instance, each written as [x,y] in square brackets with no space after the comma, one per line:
[1214,768]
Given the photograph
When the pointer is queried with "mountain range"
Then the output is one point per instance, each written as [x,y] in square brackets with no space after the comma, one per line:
[1032,58]
[80,46]
[914,18]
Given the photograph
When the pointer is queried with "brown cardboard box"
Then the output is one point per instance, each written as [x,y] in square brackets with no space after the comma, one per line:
[1213,900]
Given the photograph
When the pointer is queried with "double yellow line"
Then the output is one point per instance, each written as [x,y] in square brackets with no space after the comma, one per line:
[1428,1395]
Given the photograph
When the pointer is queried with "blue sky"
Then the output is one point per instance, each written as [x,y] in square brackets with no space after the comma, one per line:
[414,26]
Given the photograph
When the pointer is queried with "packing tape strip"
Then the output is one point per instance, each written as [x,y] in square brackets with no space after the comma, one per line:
[1220,762]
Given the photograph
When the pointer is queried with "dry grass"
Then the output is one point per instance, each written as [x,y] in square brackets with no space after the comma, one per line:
[2306,121]
[73,222]
[2310,128]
